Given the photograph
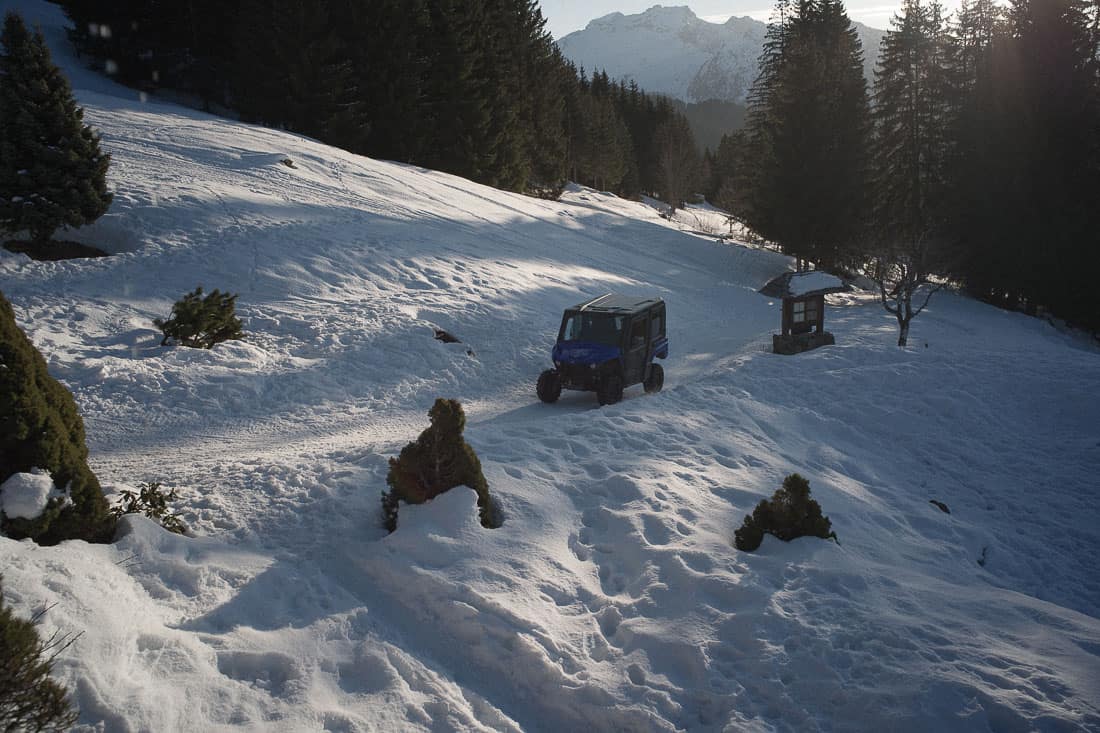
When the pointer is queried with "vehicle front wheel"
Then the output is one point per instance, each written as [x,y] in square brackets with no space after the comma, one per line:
[610,390]
[655,380]
[549,386]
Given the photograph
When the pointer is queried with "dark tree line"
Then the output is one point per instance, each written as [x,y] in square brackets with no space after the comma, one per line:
[976,157]
[629,142]
[472,87]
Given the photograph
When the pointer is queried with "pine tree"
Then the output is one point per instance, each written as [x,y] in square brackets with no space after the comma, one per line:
[913,114]
[292,72]
[461,135]
[29,699]
[41,428]
[542,112]
[1029,136]
[52,172]
[603,153]
[1058,228]
[980,173]
[388,43]
[679,161]
[803,166]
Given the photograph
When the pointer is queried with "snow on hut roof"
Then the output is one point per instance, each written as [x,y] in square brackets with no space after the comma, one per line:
[801,284]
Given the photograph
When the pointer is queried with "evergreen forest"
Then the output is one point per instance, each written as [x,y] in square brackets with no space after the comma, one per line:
[974,156]
[471,87]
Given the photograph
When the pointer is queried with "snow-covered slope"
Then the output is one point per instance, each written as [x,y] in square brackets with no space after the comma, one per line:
[612,598]
[669,50]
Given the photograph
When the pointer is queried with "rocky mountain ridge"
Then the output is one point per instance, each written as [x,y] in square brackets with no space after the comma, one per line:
[671,51]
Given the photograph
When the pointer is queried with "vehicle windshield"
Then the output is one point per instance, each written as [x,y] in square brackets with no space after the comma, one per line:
[600,328]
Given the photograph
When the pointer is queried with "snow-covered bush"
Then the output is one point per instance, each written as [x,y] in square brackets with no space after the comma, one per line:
[29,699]
[438,460]
[788,514]
[201,322]
[31,501]
[152,501]
[41,430]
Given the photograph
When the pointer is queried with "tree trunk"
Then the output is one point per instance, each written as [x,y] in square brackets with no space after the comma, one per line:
[903,333]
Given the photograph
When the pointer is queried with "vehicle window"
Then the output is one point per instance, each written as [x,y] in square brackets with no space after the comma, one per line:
[594,327]
[637,333]
[656,324]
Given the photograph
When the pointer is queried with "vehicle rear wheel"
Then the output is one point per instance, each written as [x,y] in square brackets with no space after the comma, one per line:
[549,386]
[610,390]
[655,380]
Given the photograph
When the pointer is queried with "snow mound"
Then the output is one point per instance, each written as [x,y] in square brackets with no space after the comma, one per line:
[25,495]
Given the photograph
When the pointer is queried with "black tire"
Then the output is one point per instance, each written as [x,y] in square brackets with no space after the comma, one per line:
[549,386]
[656,379]
[610,390]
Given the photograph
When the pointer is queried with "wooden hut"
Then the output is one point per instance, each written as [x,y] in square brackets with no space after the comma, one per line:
[803,295]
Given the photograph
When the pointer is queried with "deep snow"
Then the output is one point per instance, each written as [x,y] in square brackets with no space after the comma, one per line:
[612,598]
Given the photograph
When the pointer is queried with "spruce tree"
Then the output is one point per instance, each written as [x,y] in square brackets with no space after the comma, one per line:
[1058,226]
[542,108]
[292,72]
[461,135]
[913,114]
[387,42]
[41,428]
[1029,163]
[605,143]
[52,172]
[679,161]
[980,173]
[803,165]
[29,699]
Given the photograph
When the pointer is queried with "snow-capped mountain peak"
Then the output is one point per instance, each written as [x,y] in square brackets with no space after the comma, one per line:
[671,51]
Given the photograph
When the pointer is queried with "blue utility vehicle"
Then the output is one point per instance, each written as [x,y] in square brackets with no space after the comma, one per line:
[606,345]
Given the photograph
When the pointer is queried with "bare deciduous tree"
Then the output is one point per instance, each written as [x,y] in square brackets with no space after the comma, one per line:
[901,273]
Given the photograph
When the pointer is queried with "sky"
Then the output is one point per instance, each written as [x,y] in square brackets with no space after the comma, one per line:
[565,16]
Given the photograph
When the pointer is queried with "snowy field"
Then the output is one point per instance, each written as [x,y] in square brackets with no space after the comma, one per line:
[612,599]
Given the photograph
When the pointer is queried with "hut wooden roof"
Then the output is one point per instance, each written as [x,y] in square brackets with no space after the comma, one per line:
[803,284]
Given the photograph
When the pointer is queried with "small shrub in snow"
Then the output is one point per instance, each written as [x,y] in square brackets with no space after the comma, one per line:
[788,514]
[438,460]
[202,321]
[41,429]
[152,501]
[29,699]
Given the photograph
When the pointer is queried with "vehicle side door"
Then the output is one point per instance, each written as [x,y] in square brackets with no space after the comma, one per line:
[658,338]
[636,351]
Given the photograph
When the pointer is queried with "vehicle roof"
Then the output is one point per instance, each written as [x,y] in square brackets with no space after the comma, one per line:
[617,303]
